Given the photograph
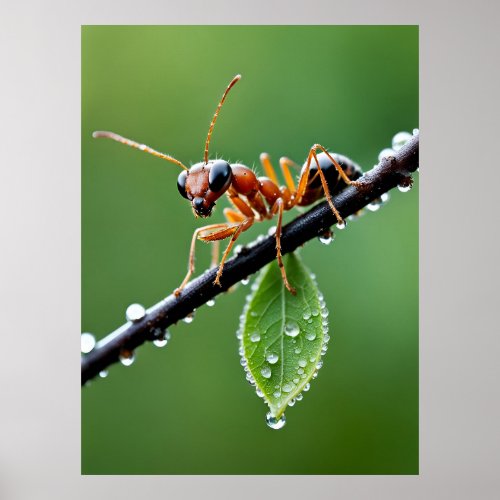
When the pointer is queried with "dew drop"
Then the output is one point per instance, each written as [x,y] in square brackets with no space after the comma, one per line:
[271,231]
[87,342]
[373,206]
[272,358]
[160,342]
[211,303]
[239,334]
[307,315]
[287,387]
[302,363]
[299,397]
[385,197]
[315,312]
[259,393]
[300,371]
[341,225]
[254,314]
[277,394]
[307,387]
[126,358]
[324,312]
[326,338]
[245,281]
[189,318]
[324,349]
[266,372]
[404,188]
[275,423]
[292,329]
[312,359]
[297,351]
[319,364]
[243,362]
[326,240]
[310,335]
[416,131]
[385,153]
[327,237]
[255,337]
[296,380]
[310,320]
[291,402]
[135,312]
[400,139]
[103,373]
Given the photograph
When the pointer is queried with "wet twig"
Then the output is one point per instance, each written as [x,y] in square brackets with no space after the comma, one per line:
[390,172]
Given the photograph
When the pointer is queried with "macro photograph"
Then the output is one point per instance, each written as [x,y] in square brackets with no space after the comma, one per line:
[250,249]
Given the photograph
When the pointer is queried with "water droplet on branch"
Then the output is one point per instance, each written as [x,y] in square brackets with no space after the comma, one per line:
[87,342]
[135,312]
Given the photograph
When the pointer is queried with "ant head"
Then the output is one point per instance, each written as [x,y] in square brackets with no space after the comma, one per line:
[203,184]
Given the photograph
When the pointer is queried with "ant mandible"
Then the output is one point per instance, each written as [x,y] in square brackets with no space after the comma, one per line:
[205,182]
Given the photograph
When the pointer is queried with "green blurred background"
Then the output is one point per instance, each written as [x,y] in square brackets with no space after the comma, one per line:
[187,408]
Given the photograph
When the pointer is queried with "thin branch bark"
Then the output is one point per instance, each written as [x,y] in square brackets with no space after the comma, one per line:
[390,172]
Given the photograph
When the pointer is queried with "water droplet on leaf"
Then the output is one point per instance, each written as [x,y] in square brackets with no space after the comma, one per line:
[275,423]
[292,329]
[255,337]
[272,358]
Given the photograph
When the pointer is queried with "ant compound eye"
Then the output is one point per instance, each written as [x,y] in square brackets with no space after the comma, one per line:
[219,176]
[181,183]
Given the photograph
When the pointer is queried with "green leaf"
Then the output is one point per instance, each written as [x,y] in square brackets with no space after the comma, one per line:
[283,336]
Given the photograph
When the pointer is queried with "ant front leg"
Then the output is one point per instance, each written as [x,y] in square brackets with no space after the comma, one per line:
[222,228]
[243,226]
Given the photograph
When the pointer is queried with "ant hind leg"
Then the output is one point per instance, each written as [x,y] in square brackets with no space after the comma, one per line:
[278,207]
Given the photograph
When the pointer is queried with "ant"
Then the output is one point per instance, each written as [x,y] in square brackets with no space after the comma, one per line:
[205,182]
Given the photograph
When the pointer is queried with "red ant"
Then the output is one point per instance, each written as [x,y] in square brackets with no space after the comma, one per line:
[205,182]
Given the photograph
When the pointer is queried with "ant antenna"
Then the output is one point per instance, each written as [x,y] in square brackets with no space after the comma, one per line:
[212,125]
[136,145]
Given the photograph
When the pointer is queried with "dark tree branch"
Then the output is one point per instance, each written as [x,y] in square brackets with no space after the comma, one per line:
[390,172]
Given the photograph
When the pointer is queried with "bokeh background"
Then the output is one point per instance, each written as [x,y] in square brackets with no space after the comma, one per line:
[187,408]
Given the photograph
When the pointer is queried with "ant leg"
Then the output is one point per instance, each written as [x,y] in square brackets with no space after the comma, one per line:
[215,254]
[243,226]
[284,164]
[340,170]
[304,178]
[278,207]
[268,168]
[233,215]
[222,226]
